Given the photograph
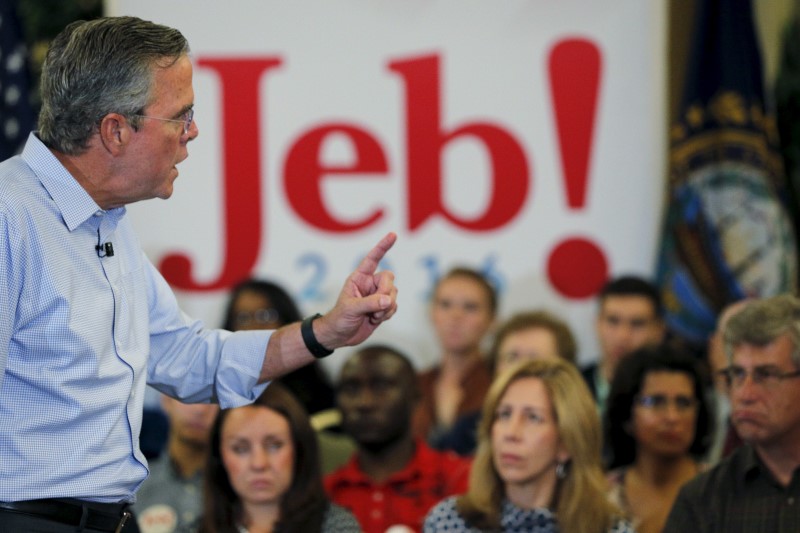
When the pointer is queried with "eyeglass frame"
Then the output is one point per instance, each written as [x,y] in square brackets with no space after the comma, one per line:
[759,375]
[659,403]
[187,121]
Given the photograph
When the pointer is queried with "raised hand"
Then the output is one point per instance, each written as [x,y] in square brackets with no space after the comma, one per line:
[366,300]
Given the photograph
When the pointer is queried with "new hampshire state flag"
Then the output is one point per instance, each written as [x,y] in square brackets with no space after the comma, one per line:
[727,234]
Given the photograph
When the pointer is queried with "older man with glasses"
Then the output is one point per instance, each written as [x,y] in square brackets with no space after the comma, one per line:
[757,488]
[86,323]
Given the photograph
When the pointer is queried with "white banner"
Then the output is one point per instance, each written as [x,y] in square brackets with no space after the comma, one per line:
[523,138]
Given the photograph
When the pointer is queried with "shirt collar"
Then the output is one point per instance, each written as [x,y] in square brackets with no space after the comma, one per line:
[351,473]
[753,467]
[197,476]
[518,519]
[750,462]
[72,200]
[474,374]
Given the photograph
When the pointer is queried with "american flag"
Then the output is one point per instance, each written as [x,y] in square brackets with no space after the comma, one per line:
[16,113]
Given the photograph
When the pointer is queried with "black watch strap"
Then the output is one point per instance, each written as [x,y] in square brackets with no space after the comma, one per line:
[310,340]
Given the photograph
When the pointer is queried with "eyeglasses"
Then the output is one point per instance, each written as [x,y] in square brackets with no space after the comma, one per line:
[660,402]
[260,317]
[766,376]
[186,119]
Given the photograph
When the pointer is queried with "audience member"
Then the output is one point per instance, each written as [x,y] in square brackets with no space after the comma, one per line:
[170,499]
[393,479]
[530,335]
[629,316]
[88,320]
[657,429]
[538,462]
[757,487]
[263,474]
[260,304]
[526,336]
[463,309]
[725,438]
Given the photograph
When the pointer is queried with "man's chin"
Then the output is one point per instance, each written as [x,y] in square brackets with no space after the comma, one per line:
[166,192]
[748,431]
[374,445]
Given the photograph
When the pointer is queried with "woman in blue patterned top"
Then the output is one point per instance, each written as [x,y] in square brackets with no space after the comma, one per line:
[537,468]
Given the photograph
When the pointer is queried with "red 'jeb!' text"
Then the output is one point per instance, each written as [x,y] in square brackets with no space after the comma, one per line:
[425,139]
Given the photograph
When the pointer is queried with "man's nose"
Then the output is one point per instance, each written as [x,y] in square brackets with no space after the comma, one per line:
[365,398]
[747,390]
[194,130]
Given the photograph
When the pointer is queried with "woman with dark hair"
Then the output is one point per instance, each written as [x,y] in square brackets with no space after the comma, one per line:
[261,304]
[263,472]
[538,467]
[657,429]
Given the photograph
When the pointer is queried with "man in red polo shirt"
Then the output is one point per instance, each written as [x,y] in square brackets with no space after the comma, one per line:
[392,480]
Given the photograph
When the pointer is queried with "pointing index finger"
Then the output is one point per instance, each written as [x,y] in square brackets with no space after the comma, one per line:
[369,264]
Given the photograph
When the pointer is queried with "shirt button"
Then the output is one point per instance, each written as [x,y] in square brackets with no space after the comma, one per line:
[98,213]
[376,514]
[377,496]
[790,501]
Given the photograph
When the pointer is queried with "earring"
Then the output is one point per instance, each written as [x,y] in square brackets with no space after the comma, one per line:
[561,470]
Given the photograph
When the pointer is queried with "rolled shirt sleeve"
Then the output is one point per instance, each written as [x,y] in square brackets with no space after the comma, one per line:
[199,365]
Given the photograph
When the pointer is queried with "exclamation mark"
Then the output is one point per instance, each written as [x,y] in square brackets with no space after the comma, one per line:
[576,266]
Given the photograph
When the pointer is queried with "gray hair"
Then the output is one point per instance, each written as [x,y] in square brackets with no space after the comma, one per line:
[97,67]
[762,321]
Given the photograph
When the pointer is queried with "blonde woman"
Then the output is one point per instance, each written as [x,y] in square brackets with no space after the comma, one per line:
[527,335]
[537,468]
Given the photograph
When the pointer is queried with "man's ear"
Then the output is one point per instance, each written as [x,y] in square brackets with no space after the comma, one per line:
[115,132]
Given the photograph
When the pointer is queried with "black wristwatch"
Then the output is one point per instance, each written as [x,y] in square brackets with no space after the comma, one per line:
[310,340]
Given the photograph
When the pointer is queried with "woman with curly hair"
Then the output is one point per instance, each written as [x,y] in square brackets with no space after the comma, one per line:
[657,429]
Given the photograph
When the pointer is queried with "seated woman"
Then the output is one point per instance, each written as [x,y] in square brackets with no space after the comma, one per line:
[657,428]
[463,309]
[526,336]
[530,335]
[263,472]
[538,462]
[262,304]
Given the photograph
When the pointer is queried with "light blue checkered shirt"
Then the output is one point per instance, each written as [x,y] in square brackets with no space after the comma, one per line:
[77,334]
